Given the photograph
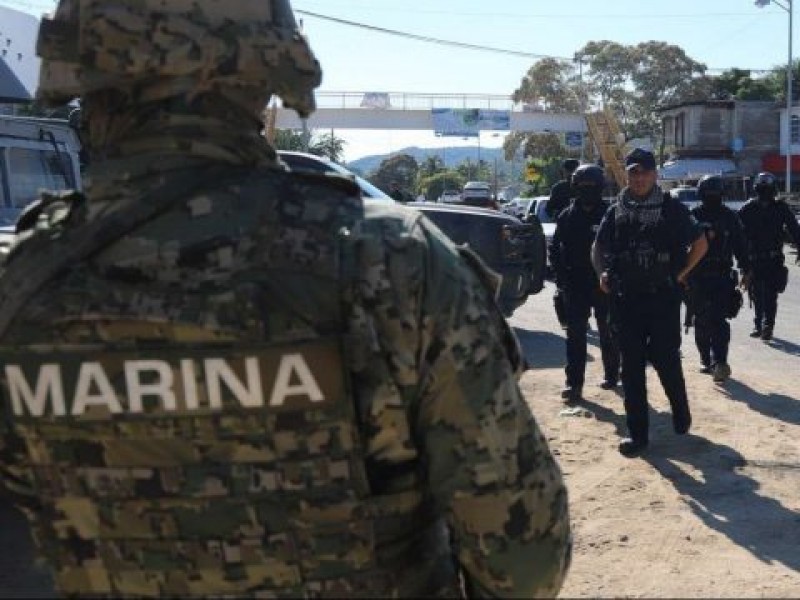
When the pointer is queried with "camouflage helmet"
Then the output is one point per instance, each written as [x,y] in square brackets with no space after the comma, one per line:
[152,49]
[710,186]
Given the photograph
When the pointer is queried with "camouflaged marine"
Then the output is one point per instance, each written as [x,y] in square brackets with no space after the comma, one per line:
[224,379]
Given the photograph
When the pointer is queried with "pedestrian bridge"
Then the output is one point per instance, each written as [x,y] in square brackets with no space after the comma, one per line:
[413,111]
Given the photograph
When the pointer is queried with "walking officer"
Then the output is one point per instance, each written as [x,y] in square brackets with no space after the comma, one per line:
[561,194]
[570,255]
[766,223]
[713,293]
[222,378]
[641,256]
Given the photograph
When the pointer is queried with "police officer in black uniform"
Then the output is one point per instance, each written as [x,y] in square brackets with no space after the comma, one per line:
[765,222]
[561,196]
[570,255]
[561,193]
[647,245]
[713,294]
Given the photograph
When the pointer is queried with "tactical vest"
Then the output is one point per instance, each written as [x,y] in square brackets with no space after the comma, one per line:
[764,228]
[646,258]
[718,260]
[188,416]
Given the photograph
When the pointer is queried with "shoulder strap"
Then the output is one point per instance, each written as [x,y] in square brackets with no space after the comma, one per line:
[44,257]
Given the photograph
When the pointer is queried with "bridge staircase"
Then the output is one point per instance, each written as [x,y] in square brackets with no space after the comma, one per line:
[605,132]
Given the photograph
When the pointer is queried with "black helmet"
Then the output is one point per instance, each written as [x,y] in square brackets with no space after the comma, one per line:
[765,181]
[589,175]
[570,164]
[710,186]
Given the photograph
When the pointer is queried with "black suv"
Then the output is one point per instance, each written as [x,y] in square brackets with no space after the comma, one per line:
[511,248]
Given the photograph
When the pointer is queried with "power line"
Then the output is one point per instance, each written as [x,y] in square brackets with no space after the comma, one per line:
[615,16]
[477,47]
[432,40]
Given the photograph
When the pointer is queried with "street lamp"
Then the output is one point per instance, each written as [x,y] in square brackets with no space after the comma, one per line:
[787,6]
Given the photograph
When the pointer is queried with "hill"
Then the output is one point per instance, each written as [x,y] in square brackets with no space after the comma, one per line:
[452,156]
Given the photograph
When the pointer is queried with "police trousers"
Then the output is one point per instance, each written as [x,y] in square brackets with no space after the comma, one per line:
[712,332]
[579,305]
[765,286]
[649,328]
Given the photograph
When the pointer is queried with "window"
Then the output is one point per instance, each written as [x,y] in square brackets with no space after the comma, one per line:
[36,170]
[794,133]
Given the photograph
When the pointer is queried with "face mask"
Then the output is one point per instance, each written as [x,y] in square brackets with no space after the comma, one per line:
[588,197]
[765,195]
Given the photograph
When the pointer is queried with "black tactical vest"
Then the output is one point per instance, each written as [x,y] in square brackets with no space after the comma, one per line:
[646,258]
[719,229]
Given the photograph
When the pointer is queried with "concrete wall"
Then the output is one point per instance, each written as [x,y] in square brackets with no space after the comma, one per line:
[711,128]
[758,124]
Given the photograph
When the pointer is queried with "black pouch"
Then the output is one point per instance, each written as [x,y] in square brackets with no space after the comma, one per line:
[781,278]
[735,303]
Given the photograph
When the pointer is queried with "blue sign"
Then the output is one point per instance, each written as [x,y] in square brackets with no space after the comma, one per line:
[469,122]
[573,139]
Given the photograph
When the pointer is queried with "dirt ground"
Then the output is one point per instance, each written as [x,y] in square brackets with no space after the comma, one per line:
[714,514]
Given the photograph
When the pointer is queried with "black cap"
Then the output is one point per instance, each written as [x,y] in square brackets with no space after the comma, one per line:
[640,158]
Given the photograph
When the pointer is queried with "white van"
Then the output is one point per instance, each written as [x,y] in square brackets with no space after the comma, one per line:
[35,155]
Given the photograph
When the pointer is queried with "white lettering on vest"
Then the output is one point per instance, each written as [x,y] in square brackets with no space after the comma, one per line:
[189,378]
[294,364]
[161,388]
[218,370]
[48,385]
[157,378]
[92,375]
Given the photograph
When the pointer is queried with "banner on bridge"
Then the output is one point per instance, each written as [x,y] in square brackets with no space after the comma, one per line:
[469,122]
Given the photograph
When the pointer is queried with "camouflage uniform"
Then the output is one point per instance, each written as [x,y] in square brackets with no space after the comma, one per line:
[270,388]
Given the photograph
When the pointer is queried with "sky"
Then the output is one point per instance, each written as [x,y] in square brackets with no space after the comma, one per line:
[719,33]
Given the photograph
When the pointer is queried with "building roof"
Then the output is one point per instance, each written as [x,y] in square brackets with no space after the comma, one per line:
[694,168]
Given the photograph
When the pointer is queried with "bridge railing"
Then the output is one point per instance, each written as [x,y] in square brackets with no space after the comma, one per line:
[413,101]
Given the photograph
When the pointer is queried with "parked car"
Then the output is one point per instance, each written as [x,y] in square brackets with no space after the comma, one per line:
[303,161]
[686,194]
[35,155]
[514,249]
[515,207]
[537,209]
[478,193]
[450,196]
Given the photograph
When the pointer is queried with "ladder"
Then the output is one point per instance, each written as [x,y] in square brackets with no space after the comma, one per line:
[606,134]
[270,120]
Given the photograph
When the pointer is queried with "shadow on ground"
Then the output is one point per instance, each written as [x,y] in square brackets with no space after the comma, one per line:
[778,406]
[542,349]
[716,481]
[725,497]
[785,346]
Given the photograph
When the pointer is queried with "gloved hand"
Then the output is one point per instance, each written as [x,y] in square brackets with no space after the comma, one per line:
[744,284]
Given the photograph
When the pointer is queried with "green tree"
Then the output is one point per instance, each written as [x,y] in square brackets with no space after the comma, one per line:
[402,168]
[433,185]
[432,165]
[324,144]
[550,83]
[327,144]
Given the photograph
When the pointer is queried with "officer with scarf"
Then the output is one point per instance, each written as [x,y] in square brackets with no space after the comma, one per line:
[712,286]
[570,255]
[647,245]
[766,221]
